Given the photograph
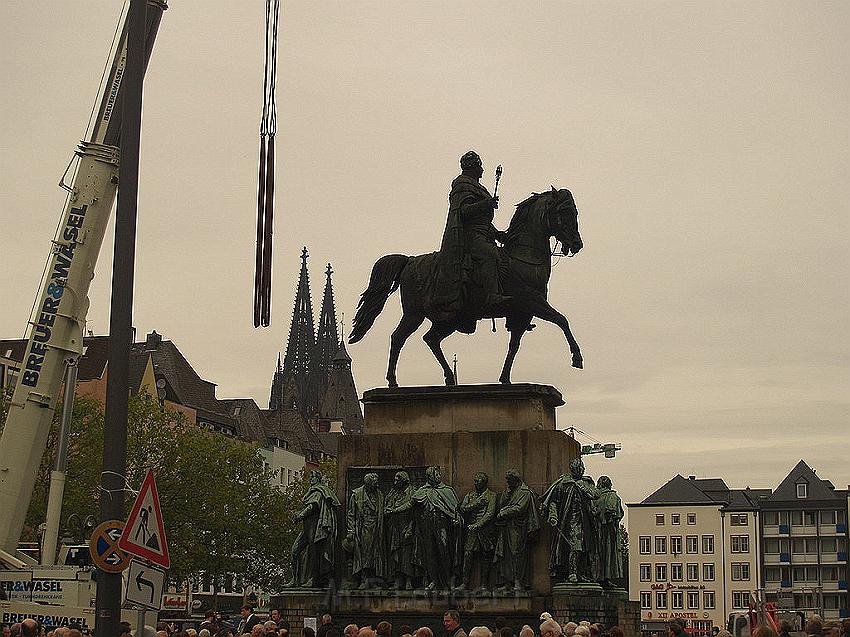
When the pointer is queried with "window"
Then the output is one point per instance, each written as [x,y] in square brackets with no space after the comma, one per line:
[740,572]
[661,600]
[828,545]
[810,518]
[830,573]
[693,572]
[660,545]
[692,544]
[771,518]
[692,518]
[676,545]
[646,572]
[772,573]
[796,518]
[659,519]
[645,600]
[660,572]
[675,518]
[645,545]
[708,544]
[738,519]
[740,599]
[740,543]
[708,600]
[677,600]
[708,572]
[802,490]
[693,599]
[675,572]
[771,545]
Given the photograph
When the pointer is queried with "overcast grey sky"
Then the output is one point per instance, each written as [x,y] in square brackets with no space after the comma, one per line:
[706,145]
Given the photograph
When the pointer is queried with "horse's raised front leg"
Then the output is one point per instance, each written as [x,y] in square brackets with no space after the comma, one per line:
[433,338]
[549,313]
[519,325]
[408,324]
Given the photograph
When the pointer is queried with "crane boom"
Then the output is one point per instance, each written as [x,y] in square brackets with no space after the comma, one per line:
[55,334]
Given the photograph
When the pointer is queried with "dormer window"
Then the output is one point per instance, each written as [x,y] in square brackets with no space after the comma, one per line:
[802,490]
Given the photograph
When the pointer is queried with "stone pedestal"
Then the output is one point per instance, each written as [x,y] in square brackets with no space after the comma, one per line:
[463,430]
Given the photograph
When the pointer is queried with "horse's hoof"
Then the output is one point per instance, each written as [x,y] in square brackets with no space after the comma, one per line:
[578,362]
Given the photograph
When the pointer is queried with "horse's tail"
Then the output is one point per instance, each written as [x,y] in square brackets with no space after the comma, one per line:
[384,280]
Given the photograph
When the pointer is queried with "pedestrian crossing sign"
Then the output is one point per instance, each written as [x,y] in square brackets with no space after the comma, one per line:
[144,533]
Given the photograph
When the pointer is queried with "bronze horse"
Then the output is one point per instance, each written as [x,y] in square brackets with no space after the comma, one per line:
[527,259]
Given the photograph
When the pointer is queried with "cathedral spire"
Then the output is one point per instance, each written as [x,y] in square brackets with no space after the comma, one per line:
[327,336]
[297,366]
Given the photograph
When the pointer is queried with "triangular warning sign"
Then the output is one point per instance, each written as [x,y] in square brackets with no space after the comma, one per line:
[144,533]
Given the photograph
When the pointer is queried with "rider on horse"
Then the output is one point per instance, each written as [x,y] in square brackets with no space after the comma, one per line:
[468,263]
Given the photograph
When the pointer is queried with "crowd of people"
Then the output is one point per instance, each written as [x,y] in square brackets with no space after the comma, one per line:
[252,625]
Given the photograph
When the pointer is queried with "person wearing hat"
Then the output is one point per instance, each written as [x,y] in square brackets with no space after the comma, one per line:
[468,262]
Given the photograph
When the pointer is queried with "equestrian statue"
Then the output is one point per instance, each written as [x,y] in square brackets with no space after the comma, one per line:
[471,277]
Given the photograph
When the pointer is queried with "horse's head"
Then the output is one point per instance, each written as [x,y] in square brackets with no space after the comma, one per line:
[562,216]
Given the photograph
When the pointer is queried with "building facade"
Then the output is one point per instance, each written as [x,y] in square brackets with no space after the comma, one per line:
[804,551]
[699,550]
[692,552]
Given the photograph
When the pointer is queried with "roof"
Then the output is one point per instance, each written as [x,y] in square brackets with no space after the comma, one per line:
[290,426]
[818,489]
[678,490]
[247,413]
[92,362]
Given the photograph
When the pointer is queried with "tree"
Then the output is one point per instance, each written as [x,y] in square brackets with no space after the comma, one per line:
[221,513]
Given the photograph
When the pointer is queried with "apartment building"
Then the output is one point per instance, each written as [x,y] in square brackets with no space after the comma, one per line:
[804,550]
[699,549]
[693,554]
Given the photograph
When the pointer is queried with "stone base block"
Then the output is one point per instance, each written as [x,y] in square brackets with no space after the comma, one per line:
[461,408]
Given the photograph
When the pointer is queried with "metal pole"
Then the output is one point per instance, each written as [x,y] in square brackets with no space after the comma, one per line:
[140,623]
[113,480]
[57,476]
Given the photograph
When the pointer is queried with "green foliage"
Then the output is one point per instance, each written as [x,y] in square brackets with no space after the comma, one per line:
[221,511]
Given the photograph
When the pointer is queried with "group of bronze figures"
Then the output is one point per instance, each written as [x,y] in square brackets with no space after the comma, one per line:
[408,537]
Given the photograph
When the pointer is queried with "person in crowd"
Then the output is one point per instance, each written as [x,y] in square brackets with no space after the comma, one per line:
[224,632]
[764,630]
[845,627]
[423,631]
[506,631]
[405,629]
[326,625]
[615,631]
[384,629]
[451,622]
[480,631]
[306,631]
[274,615]
[550,628]
[204,632]
[366,631]
[594,630]
[283,628]
[675,629]
[351,630]
[248,621]
[814,626]
[269,628]
[528,631]
[570,629]
[582,631]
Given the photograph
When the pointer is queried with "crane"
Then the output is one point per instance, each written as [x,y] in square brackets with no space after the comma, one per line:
[55,332]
